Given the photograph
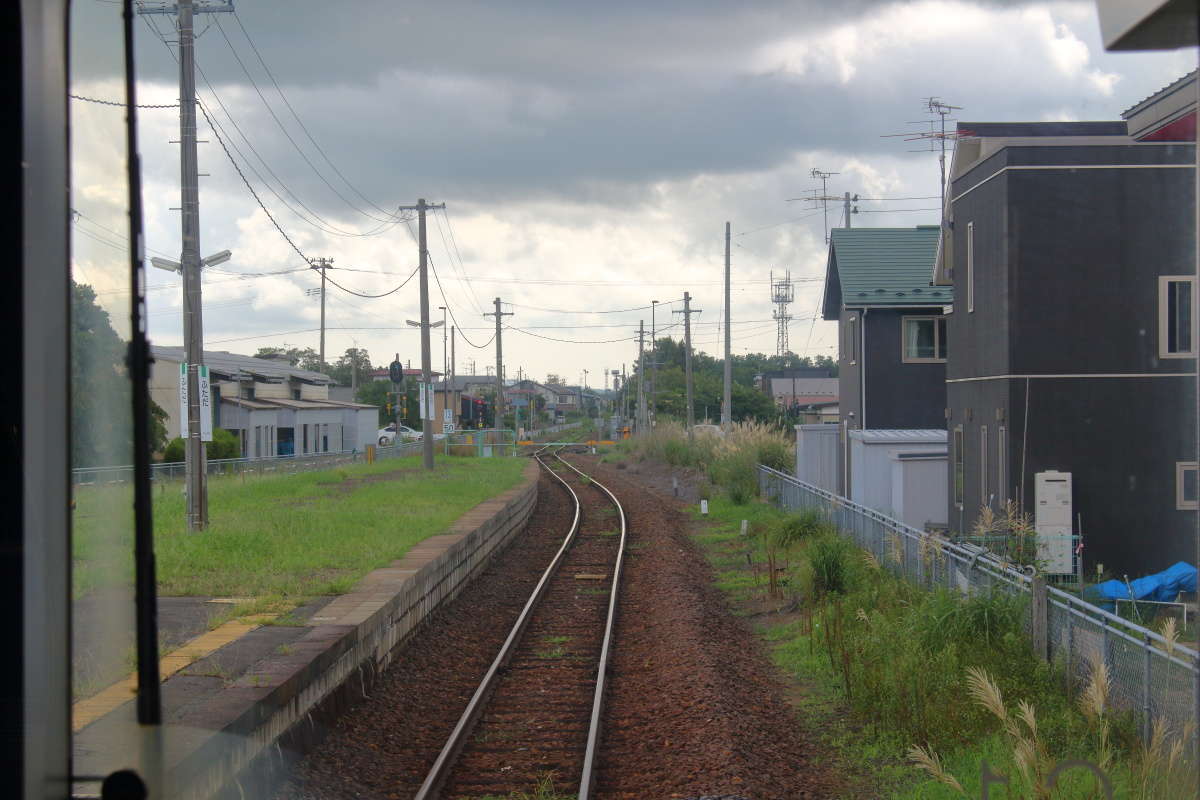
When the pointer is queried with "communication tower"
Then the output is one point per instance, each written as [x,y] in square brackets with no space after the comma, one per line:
[782,293]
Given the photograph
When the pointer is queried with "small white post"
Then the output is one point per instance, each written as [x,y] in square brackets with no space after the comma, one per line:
[745,526]
[703,506]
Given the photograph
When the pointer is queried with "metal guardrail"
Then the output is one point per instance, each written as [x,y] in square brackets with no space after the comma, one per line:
[284,465]
[1149,676]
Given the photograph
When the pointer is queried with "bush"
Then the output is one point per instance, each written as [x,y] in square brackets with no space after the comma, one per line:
[742,489]
[224,445]
[830,557]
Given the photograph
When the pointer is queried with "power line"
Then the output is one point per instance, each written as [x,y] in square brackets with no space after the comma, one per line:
[451,310]
[120,104]
[612,311]
[568,341]
[393,218]
[282,233]
[461,264]
[320,222]
[777,224]
[299,121]
[893,210]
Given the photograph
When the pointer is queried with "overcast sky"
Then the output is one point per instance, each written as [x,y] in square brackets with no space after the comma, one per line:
[588,154]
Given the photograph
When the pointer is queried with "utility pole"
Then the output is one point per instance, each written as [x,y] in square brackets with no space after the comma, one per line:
[847,210]
[653,365]
[727,392]
[453,370]
[641,395]
[190,263]
[624,394]
[425,403]
[687,358]
[499,315]
[322,264]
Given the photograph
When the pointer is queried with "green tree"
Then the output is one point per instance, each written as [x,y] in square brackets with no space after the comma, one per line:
[302,357]
[354,360]
[101,399]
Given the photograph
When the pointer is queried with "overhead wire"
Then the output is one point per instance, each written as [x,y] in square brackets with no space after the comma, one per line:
[609,311]
[391,218]
[453,319]
[459,273]
[318,222]
[283,233]
[461,264]
[300,122]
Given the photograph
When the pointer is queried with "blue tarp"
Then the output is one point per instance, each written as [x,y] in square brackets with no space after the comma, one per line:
[1163,587]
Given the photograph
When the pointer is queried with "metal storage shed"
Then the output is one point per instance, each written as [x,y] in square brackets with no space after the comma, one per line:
[916,458]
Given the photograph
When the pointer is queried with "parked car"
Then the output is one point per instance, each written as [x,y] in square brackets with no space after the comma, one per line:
[388,434]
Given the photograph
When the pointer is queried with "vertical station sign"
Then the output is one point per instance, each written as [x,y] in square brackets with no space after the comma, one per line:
[206,415]
[183,398]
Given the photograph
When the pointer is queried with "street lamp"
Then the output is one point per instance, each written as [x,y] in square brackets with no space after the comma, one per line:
[193,385]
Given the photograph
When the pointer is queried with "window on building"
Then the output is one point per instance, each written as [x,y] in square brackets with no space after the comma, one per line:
[1176,316]
[258,447]
[984,499]
[970,266]
[959,467]
[1187,486]
[924,339]
[852,338]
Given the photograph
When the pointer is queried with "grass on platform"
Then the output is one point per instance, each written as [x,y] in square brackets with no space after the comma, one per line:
[278,540]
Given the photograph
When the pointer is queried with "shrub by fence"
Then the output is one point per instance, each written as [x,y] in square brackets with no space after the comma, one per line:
[1151,676]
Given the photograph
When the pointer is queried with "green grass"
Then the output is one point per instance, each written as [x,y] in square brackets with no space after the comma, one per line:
[881,665]
[281,539]
[543,790]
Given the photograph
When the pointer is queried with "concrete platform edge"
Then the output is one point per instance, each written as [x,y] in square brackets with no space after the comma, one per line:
[271,716]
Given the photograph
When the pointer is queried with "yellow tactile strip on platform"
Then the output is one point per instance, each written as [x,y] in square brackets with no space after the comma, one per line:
[85,712]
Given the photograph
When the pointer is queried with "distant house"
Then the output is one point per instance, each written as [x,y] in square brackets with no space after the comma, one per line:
[1070,248]
[891,327]
[566,398]
[274,408]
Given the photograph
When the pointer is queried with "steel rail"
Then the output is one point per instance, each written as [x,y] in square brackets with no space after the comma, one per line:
[445,760]
[588,779]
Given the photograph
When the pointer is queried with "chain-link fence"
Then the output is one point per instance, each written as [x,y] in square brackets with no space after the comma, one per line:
[1150,677]
[274,465]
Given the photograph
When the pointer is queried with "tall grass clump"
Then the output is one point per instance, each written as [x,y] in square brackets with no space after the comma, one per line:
[831,556]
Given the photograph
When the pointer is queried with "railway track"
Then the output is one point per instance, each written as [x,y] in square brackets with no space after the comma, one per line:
[537,710]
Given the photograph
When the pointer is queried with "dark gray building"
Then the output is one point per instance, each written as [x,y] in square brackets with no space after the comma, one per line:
[1070,250]
[891,328]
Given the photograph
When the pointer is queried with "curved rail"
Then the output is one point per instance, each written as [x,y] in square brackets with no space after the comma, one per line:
[587,781]
[442,766]
[445,760]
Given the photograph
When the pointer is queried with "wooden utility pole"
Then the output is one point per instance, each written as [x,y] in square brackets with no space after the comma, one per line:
[322,264]
[687,357]
[727,393]
[641,395]
[425,401]
[499,315]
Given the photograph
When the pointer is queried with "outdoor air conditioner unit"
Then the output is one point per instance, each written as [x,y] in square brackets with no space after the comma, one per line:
[1053,512]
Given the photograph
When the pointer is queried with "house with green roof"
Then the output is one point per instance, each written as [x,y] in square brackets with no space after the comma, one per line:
[891,327]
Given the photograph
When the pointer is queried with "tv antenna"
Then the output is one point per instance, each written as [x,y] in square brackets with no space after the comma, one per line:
[939,113]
